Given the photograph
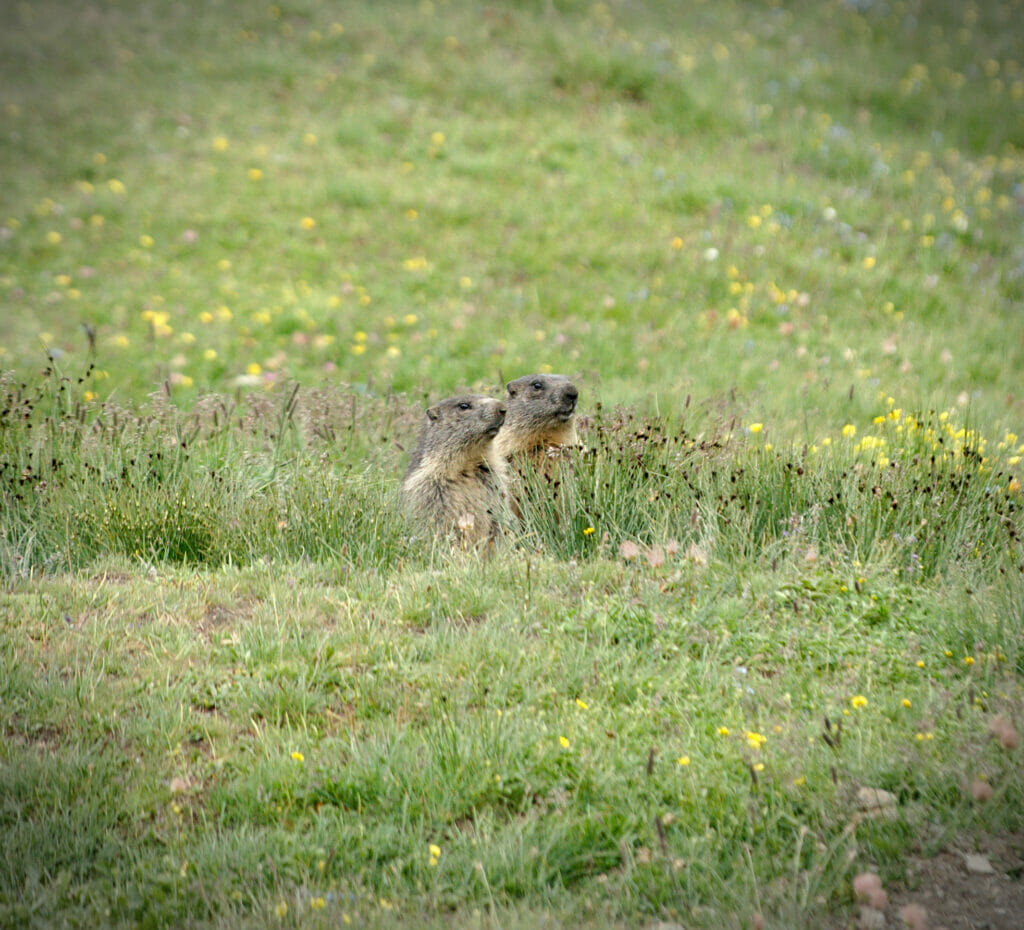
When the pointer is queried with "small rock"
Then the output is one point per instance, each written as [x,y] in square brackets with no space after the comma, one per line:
[981,790]
[866,884]
[978,865]
[871,919]
[874,799]
[914,916]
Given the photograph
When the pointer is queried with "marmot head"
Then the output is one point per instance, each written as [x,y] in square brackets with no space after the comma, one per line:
[539,402]
[456,426]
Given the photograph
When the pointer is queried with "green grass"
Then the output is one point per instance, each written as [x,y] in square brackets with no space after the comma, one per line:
[777,247]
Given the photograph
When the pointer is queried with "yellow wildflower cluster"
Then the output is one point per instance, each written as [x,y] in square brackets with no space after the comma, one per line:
[755,740]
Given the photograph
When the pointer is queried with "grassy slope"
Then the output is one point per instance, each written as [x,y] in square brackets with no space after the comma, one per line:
[858,178]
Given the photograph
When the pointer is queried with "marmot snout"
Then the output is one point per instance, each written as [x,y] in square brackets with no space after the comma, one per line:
[455,478]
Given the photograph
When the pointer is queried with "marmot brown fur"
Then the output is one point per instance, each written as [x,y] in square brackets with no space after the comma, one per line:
[539,416]
[455,480]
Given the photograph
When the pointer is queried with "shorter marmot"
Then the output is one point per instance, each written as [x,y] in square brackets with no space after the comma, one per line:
[540,416]
[455,479]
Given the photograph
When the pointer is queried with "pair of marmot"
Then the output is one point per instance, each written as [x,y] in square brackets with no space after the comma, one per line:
[457,479]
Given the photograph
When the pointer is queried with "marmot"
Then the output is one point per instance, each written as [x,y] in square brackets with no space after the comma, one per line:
[455,480]
[540,416]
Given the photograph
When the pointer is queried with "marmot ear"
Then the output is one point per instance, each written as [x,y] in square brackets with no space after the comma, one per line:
[511,390]
[433,412]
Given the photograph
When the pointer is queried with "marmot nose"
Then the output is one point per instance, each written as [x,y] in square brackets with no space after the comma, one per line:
[501,411]
[571,394]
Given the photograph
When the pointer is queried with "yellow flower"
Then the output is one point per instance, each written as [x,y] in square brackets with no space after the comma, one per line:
[754,740]
[209,354]
[753,221]
[437,138]
[317,903]
[563,742]
[849,430]
[434,850]
[968,660]
[281,909]
[220,144]
[756,427]
[308,138]
[582,705]
[723,731]
[858,700]
[308,222]
[588,531]
[115,186]
[298,757]
[919,663]
[799,780]
[905,702]
[868,263]
[253,368]
[255,174]
[53,237]
[683,760]
[677,243]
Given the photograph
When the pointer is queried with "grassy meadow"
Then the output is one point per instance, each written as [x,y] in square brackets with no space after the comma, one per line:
[780,249]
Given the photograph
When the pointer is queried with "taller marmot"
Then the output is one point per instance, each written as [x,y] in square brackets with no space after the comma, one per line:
[540,415]
[455,479]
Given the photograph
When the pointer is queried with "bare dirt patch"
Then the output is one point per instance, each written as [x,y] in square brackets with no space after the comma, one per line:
[956,890]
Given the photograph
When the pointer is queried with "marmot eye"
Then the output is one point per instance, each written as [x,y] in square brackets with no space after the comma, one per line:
[465,406]
[538,385]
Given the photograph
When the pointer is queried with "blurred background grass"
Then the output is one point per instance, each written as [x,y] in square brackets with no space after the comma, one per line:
[811,203]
